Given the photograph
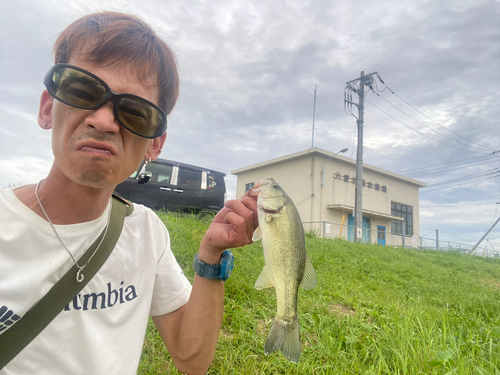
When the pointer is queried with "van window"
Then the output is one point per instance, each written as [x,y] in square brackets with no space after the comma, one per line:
[189,178]
[161,173]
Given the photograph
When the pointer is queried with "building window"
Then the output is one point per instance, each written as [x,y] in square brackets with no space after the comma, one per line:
[405,212]
[249,186]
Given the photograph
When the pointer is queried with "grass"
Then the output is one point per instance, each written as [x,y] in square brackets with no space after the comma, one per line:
[375,310]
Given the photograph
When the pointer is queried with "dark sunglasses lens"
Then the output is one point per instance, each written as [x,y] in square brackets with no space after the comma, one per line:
[140,117]
[76,88]
[81,90]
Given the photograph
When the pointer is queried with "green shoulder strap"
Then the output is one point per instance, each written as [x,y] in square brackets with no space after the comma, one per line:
[13,340]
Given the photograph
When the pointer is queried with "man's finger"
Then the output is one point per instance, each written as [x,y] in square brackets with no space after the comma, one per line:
[238,236]
[251,204]
[246,207]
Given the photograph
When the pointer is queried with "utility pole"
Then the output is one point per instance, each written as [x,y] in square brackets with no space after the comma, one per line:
[482,238]
[358,203]
[351,87]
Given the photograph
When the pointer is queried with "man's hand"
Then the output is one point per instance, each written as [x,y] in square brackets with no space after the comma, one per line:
[233,226]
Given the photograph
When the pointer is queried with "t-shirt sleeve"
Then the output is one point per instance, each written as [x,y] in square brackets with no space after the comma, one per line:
[172,289]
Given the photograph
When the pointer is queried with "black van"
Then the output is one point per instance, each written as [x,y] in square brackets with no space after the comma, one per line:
[175,186]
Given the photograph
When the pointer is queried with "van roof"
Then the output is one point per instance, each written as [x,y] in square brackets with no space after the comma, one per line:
[179,164]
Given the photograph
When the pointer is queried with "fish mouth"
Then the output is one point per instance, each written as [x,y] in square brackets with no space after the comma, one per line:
[255,190]
[270,211]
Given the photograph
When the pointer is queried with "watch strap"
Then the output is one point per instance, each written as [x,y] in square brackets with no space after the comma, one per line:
[206,270]
[220,271]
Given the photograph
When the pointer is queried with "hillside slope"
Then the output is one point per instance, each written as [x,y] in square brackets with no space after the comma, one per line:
[375,310]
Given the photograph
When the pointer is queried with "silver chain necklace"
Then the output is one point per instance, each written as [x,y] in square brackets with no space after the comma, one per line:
[79,275]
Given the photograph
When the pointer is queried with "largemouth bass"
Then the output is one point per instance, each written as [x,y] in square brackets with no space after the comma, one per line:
[287,265]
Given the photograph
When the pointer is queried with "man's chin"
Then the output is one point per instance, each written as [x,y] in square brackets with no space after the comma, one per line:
[95,173]
[94,179]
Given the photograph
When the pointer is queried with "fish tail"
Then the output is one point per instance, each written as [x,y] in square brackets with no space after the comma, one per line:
[285,336]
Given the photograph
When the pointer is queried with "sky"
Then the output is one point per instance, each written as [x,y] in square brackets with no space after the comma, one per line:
[249,70]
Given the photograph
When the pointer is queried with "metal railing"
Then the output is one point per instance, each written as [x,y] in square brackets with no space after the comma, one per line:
[347,232]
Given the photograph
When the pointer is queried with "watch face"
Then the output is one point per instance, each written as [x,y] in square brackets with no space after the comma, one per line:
[226,265]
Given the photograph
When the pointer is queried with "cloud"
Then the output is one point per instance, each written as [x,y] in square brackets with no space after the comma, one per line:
[249,71]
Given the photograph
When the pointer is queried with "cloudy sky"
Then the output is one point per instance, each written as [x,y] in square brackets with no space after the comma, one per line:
[249,70]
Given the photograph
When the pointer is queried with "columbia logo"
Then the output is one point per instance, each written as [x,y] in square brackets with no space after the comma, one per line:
[7,318]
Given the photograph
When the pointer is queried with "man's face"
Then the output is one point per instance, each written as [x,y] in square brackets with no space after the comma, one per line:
[89,146]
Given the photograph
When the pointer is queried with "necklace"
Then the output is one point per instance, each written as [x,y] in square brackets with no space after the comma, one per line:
[79,275]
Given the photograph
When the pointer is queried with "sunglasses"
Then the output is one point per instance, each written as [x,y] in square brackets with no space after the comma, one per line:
[78,88]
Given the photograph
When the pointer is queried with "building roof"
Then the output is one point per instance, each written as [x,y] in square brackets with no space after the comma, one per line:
[320,151]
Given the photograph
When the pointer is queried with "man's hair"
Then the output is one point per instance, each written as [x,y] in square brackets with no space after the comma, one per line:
[110,38]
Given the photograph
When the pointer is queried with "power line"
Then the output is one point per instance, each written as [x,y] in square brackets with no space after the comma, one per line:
[433,169]
[465,183]
[425,135]
[464,188]
[459,162]
[488,172]
[457,204]
[447,169]
[366,148]
[455,190]
[461,188]
[428,127]
[416,109]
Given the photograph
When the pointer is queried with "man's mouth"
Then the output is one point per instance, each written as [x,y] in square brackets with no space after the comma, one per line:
[95,147]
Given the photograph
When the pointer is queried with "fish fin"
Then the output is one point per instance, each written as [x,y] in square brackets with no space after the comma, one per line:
[309,279]
[257,235]
[284,336]
[263,281]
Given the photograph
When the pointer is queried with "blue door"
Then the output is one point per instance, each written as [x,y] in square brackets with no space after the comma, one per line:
[350,228]
[381,235]
[351,236]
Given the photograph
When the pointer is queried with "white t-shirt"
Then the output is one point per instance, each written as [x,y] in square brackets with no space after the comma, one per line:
[102,330]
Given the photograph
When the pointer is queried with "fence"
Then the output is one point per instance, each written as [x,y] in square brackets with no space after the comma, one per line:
[347,232]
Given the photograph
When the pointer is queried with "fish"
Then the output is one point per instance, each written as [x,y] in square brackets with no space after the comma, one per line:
[286,264]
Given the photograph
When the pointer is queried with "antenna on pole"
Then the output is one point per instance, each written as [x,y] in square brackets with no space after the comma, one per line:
[314,115]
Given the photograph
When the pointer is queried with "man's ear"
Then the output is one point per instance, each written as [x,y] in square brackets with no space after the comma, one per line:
[155,148]
[45,110]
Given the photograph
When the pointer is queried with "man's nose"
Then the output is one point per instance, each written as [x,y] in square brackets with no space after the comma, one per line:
[103,118]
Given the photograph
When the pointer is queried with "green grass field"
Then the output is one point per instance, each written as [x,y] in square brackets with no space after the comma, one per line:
[375,310]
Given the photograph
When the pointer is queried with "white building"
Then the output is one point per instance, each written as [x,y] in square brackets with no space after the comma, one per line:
[323,191]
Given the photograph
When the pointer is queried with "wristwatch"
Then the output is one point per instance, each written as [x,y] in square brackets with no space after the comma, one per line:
[220,271]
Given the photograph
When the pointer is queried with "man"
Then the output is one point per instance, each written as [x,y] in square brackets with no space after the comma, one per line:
[98,139]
